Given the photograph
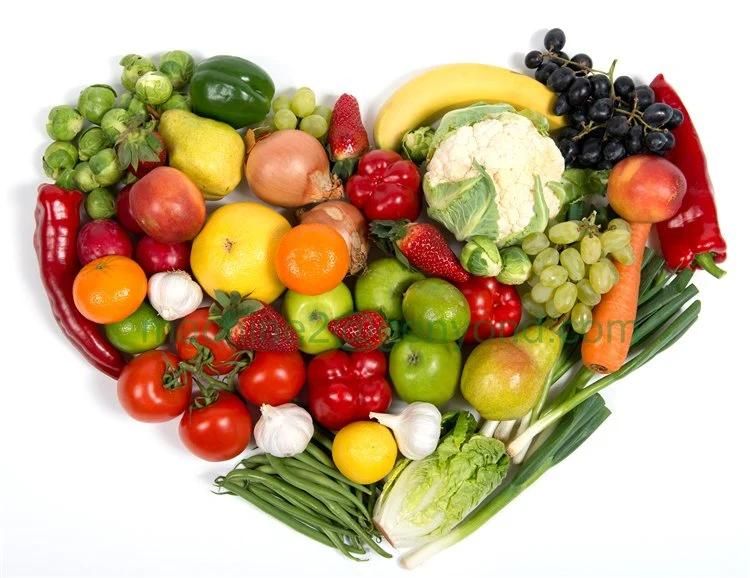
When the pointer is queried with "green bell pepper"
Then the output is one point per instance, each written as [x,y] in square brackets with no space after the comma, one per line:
[232,90]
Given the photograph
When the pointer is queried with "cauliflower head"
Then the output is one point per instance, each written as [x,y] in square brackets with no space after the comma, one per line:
[488,174]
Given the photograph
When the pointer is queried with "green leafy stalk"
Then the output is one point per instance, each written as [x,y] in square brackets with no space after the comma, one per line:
[656,345]
[570,433]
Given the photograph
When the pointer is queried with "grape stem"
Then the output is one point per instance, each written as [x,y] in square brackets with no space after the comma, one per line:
[555,58]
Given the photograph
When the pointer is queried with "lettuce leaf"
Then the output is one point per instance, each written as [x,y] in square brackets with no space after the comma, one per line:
[427,498]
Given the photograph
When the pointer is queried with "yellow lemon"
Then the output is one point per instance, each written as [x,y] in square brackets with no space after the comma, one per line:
[235,251]
[364,451]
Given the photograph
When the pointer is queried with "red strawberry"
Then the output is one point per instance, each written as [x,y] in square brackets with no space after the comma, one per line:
[347,137]
[251,324]
[362,331]
[419,245]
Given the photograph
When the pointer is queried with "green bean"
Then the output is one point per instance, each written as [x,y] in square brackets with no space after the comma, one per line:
[258,459]
[359,531]
[319,455]
[315,484]
[289,492]
[329,471]
[279,515]
[323,439]
[645,328]
[302,515]
[343,548]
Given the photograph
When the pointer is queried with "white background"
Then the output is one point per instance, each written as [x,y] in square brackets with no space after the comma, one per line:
[660,489]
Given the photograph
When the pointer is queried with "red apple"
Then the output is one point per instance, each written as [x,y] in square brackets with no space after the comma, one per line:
[167,205]
[102,238]
[646,189]
[123,211]
[154,256]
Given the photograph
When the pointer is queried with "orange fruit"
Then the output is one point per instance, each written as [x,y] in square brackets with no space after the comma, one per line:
[312,259]
[109,289]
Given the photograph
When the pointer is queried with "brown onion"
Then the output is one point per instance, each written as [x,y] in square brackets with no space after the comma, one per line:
[289,168]
[350,224]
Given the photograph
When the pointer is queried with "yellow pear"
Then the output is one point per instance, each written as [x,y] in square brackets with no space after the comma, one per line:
[210,152]
[503,377]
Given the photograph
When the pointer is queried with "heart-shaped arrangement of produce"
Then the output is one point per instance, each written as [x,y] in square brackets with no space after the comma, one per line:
[324,316]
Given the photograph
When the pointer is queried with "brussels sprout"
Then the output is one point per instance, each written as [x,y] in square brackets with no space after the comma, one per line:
[153,88]
[58,157]
[91,142]
[416,143]
[124,100]
[115,122]
[480,256]
[105,167]
[134,66]
[178,66]
[64,123]
[95,100]
[137,108]
[176,101]
[516,266]
[83,177]
[66,179]
[100,204]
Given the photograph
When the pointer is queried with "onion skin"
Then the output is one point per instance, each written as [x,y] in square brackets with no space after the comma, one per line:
[290,168]
[350,224]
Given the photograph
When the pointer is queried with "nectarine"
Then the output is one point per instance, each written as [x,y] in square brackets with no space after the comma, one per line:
[167,205]
[646,189]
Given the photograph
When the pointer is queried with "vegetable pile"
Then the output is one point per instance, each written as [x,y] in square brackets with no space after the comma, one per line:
[497,257]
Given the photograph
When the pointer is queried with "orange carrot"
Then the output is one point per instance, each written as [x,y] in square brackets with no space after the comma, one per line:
[605,347]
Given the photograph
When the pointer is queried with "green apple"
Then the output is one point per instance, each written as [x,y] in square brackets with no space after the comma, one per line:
[309,316]
[381,287]
[423,370]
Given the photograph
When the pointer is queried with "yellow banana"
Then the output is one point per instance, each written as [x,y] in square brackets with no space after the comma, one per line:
[435,92]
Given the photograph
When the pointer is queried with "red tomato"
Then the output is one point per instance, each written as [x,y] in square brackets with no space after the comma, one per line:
[198,326]
[219,431]
[273,377]
[142,391]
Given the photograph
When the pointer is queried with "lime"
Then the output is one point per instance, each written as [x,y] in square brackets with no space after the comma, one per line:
[141,331]
[436,311]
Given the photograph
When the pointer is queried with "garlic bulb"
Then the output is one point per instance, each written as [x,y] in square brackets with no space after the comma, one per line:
[283,430]
[174,294]
[416,429]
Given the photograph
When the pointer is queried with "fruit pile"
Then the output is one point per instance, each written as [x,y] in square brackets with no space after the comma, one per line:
[292,330]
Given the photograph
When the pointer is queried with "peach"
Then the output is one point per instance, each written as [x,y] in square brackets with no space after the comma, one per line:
[167,205]
[646,189]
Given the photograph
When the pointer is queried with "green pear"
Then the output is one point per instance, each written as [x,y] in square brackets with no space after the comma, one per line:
[503,377]
[209,152]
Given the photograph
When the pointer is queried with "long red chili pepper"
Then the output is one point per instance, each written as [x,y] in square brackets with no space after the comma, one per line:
[692,237]
[57,218]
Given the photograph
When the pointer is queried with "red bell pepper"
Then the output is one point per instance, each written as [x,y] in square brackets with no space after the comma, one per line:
[692,238]
[346,387]
[57,219]
[495,308]
[386,187]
